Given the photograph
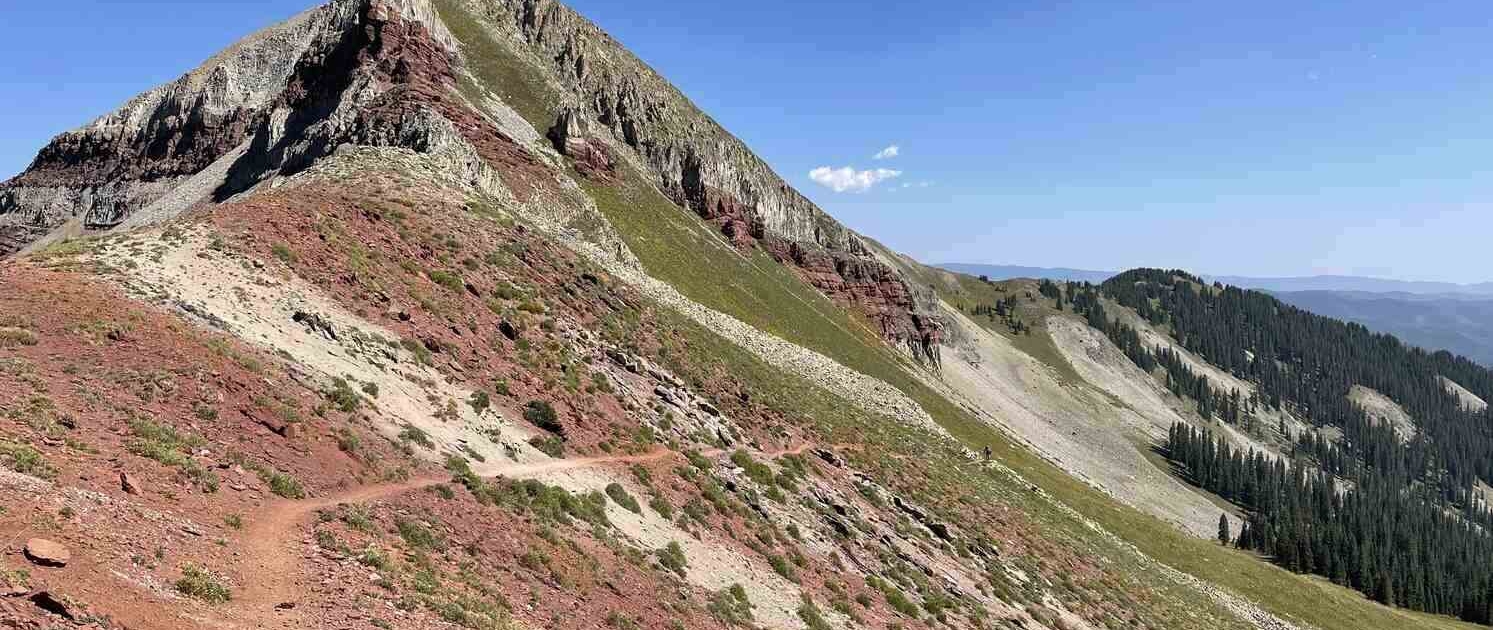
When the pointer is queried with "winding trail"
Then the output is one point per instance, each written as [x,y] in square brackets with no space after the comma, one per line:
[270,562]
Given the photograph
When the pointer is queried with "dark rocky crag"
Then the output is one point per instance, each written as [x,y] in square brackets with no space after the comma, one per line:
[702,167]
[385,73]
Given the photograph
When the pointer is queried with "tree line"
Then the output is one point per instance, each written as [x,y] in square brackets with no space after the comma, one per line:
[1400,545]
[1400,520]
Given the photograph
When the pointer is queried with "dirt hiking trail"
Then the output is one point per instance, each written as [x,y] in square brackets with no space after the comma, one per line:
[271,552]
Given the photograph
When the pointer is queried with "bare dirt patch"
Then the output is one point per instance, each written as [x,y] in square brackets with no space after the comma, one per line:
[1382,410]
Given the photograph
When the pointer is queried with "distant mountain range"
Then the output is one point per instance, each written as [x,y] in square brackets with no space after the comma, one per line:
[1006,272]
[1432,315]
[1359,284]
[1460,323]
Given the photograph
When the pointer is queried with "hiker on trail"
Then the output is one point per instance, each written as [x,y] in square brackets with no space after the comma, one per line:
[987,452]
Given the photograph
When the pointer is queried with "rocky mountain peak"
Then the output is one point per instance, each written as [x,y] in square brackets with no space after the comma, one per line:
[392,73]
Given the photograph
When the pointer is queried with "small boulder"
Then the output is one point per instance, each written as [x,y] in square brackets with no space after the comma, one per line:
[129,483]
[45,600]
[47,553]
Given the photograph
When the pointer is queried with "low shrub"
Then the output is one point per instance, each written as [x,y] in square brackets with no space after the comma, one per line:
[199,584]
[542,414]
[672,558]
[619,495]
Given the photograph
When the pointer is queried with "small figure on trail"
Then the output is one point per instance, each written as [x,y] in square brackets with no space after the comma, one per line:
[987,452]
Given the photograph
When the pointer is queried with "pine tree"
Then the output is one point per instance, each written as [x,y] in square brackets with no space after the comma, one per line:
[1408,528]
[1223,529]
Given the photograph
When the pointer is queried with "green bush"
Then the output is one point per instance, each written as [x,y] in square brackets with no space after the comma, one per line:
[897,600]
[375,558]
[450,280]
[417,535]
[555,504]
[549,445]
[672,558]
[731,606]
[542,414]
[348,441]
[622,498]
[759,472]
[284,485]
[781,566]
[662,506]
[26,460]
[282,251]
[415,435]
[164,444]
[342,396]
[697,460]
[809,612]
[199,584]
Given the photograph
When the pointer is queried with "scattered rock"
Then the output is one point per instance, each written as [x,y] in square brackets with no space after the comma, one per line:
[129,483]
[268,421]
[508,330]
[626,361]
[292,431]
[47,553]
[830,457]
[316,324]
[45,600]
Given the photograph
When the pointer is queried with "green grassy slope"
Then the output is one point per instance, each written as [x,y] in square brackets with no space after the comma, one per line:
[1304,598]
[676,247]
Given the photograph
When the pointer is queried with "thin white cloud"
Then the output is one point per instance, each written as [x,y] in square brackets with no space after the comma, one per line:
[887,153]
[848,179]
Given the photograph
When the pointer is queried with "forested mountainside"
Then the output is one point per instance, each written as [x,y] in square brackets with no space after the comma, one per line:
[1459,323]
[1399,517]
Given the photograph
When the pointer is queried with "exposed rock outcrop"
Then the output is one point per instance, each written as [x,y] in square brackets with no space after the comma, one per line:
[121,162]
[700,165]
[369,72]
[47,553]
[385,73]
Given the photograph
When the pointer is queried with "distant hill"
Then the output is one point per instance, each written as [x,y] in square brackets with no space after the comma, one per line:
[1007,272]
[1360,284]
[1459,323]
[1355,283]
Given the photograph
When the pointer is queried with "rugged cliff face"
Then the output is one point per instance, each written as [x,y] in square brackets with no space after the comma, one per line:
[389,73]
[350,71]
[609,91]
[117,165]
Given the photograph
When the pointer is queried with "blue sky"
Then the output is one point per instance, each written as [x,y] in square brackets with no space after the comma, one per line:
[1263,138]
